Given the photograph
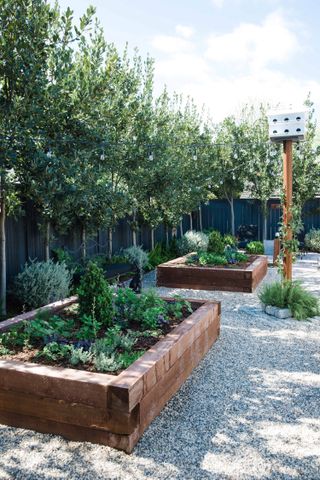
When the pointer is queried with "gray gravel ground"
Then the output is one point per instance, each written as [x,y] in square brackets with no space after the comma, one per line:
[249,411]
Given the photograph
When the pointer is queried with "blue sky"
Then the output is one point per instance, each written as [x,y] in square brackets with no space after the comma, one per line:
[223,53]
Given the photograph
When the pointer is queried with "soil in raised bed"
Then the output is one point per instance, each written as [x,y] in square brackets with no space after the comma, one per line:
[142,343]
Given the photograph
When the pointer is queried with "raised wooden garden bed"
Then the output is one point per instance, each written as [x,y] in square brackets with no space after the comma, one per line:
[176,274]
[112,410]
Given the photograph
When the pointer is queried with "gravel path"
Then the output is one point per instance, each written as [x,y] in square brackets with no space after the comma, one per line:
[249,411]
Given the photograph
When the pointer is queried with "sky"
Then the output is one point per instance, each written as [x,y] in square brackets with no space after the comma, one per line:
[223,53]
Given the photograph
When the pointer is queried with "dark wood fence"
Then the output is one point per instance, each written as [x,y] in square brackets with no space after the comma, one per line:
[25,241]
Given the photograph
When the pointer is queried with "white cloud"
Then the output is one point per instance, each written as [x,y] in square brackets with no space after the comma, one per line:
[170,44]
[184,31]
[255,45]
[217,3]
[240,66]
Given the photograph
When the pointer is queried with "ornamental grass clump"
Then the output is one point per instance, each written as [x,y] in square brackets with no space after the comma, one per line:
[41,283]
[301,303]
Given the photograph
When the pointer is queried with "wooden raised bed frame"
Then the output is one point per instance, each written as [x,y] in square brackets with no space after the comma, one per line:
[175,274]
[100,408]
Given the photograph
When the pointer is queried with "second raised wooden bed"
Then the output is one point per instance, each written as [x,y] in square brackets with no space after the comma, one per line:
[177,274]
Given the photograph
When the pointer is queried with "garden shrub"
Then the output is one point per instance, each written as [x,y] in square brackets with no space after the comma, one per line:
[292,295]
[312,240]
[95,296]
[137,257]
[229,239]
[41,283]
[255,248]
[193,241]
[216,244]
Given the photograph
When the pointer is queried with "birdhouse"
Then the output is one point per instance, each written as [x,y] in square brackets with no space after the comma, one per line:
[286,125]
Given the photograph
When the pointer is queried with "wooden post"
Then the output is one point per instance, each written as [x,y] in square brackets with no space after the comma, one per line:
[287,213]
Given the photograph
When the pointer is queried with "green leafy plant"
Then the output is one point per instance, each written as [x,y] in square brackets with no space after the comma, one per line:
[255,248]
[79,355]
[137,257]
[4,351]
[45,326]
[229,239]
[152,316]
[192,242]
[160,254]
[126,304]
[95,295]
[89,328]
[54,352]
[41,283]
[175,308]
[216,243]
[312,240]
[292,295]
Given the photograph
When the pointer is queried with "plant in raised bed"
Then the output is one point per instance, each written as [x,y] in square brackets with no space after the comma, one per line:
[216,244]
[192,241]
[127,324]
[290,295]
[255,248]
[229,257]
[95,296]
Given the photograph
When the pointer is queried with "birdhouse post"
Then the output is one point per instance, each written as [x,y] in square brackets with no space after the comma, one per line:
[287,127]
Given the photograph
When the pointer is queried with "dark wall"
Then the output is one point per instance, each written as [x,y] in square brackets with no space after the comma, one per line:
[25,241]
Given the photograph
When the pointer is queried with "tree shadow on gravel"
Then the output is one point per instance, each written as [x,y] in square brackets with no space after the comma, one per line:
[249,411]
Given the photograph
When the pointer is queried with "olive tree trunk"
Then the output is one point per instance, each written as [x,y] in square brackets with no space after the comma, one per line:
[231,203]
[3,264]
[200,218]
[110,243]
[191,222]
[181,228]
[152,238]
[47,241]
[83,242]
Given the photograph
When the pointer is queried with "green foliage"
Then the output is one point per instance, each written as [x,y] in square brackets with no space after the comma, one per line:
[175,308]
[151,316]
[45,326]
[229,239]
[160,254]
[255,248]
[312,240]
[137,257]
[192,241]
[54,352]
[126,305]
[207,258]
[95,296]
[292,295]
[89,328]
[41,283]
[241,257]
[216,243]
[4,351]
[79,355]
